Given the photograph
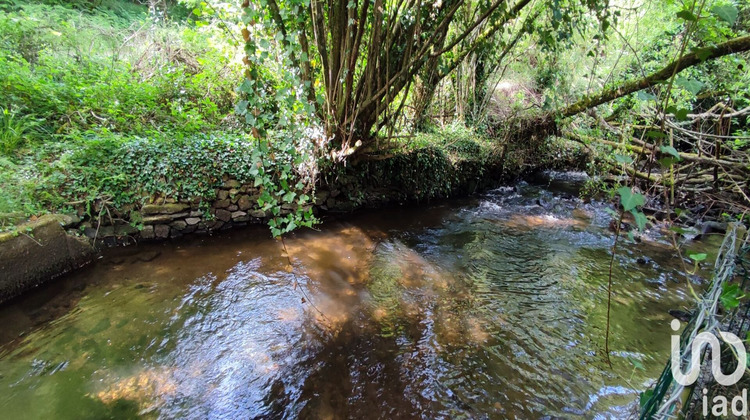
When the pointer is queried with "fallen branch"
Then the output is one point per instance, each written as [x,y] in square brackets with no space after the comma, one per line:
[732,46]
[647,148]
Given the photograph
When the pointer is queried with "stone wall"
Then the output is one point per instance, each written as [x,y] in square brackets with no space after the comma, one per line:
[236,204]
[367,185]
[414,177]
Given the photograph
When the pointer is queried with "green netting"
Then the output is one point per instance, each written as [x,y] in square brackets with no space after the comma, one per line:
[660,402]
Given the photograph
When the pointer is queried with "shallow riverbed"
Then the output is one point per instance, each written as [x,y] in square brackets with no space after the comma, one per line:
[492,307]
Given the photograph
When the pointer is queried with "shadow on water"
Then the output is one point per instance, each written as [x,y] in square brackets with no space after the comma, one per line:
[490,307]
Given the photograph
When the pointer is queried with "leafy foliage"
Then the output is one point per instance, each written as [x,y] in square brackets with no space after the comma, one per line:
[96,69]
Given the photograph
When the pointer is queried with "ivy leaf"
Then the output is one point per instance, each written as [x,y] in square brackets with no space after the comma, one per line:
[687,15]
[241,107]
[692,86]
[630,200]
[246,86]
[289,196]
[726,12]
[671,151]
[698,257]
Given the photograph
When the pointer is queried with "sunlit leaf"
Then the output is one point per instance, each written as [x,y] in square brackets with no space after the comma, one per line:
[678,229]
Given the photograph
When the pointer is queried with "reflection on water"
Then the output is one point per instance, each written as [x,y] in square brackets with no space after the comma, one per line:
[482,308]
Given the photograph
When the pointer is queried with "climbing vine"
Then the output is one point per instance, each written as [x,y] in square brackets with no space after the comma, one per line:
[280,117]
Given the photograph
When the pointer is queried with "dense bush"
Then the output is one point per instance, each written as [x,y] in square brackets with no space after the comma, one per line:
[125,72]
[89,89]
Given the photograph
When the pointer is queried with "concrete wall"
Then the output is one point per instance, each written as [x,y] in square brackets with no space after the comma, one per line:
[39,251]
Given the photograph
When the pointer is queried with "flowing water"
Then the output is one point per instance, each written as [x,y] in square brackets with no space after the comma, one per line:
[493,307]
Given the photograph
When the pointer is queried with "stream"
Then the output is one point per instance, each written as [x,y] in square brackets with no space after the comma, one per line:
[488,307]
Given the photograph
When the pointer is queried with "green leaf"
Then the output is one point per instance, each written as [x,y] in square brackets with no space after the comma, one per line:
[671,151]
[698,257]
[656,134]
[289,196]
[640,219]
[645,397]
[692,86]
[701,53]
[687,15]
[645,96]
[679,113]
[678,229]
[612,212]
[666,162]
[636,363]
[726,12]
[246,86]
[630,200]
[623,159]
[731,295]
